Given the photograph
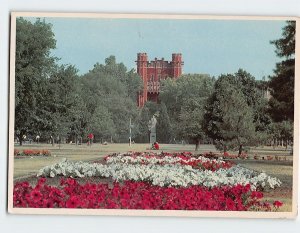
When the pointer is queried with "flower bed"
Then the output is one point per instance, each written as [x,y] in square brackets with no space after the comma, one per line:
[171,174]
[138,195]
[199,162]
[32,153]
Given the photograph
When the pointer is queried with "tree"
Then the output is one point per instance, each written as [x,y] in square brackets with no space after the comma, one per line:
[142,134]
[228,119]
[282,132]
[185,99]
[102,124]
[163,127]
[190,124]
[253,92]
[34,42]
[110,86]
[282,82]
[58,101]
[79,119]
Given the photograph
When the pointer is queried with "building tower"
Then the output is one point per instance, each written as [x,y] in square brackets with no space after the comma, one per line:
[152,72]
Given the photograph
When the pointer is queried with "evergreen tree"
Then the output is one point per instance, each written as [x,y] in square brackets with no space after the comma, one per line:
[282,82]
[228,119]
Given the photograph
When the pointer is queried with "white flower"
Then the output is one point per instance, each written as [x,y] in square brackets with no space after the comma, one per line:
[170,174]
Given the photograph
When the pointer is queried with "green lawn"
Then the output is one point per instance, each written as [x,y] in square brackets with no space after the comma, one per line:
[27,166]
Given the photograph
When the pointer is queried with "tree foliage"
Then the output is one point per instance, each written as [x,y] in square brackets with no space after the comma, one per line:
[110,86]
[53,100]
[282,82]
[185,99]
[34,42]
[230,114]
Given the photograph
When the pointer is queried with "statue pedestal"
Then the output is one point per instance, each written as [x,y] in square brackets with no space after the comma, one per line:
[152,137]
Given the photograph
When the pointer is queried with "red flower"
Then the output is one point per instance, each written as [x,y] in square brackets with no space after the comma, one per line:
[257,195]
[277,204]
[48,203]
[36,195]
[71,182]
[137,195]
[230,205]
[73,202]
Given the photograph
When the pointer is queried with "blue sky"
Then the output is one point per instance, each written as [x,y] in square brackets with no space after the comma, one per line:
[208,46]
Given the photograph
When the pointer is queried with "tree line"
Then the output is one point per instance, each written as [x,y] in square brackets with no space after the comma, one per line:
[231,111]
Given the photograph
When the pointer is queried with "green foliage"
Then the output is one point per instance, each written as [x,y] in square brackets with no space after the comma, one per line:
[285,46]
[229,114]
[185,99]
[282,83]
[142,133]
[282,91]
[111,87]
[102,123]
[52,100]
[34,42]
[282,130]
[163,127]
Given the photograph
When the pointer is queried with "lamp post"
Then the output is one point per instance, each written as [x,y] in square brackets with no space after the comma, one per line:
[130,133]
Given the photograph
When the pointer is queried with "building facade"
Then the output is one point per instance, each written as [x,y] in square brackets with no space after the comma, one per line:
[152,72]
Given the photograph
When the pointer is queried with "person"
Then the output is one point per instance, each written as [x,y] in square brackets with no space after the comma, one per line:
[90,139]
[156,146]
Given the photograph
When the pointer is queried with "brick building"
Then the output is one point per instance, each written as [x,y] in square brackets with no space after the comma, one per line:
[152,72]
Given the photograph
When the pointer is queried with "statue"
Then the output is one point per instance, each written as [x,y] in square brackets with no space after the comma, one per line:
[152,128]
[152,124]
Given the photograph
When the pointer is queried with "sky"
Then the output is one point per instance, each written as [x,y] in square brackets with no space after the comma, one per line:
[212,47]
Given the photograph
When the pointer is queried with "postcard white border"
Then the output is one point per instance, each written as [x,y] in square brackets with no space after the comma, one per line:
[176,213]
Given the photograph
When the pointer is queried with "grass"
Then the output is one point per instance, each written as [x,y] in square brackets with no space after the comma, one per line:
[27,166]
[284,172]
[24,167]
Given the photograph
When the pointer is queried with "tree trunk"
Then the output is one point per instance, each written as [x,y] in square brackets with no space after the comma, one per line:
[20,139]
[197,144]
[224,149]
[240,149]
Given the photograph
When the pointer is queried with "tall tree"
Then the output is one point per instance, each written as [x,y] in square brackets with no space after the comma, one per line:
[228,118]
[185,99]
[163,127]
[282,82]
[34,42]
[110,86]
[142,134]
[102,124]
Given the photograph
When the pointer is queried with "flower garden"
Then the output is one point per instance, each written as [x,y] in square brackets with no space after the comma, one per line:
[157,181]
[28,153]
